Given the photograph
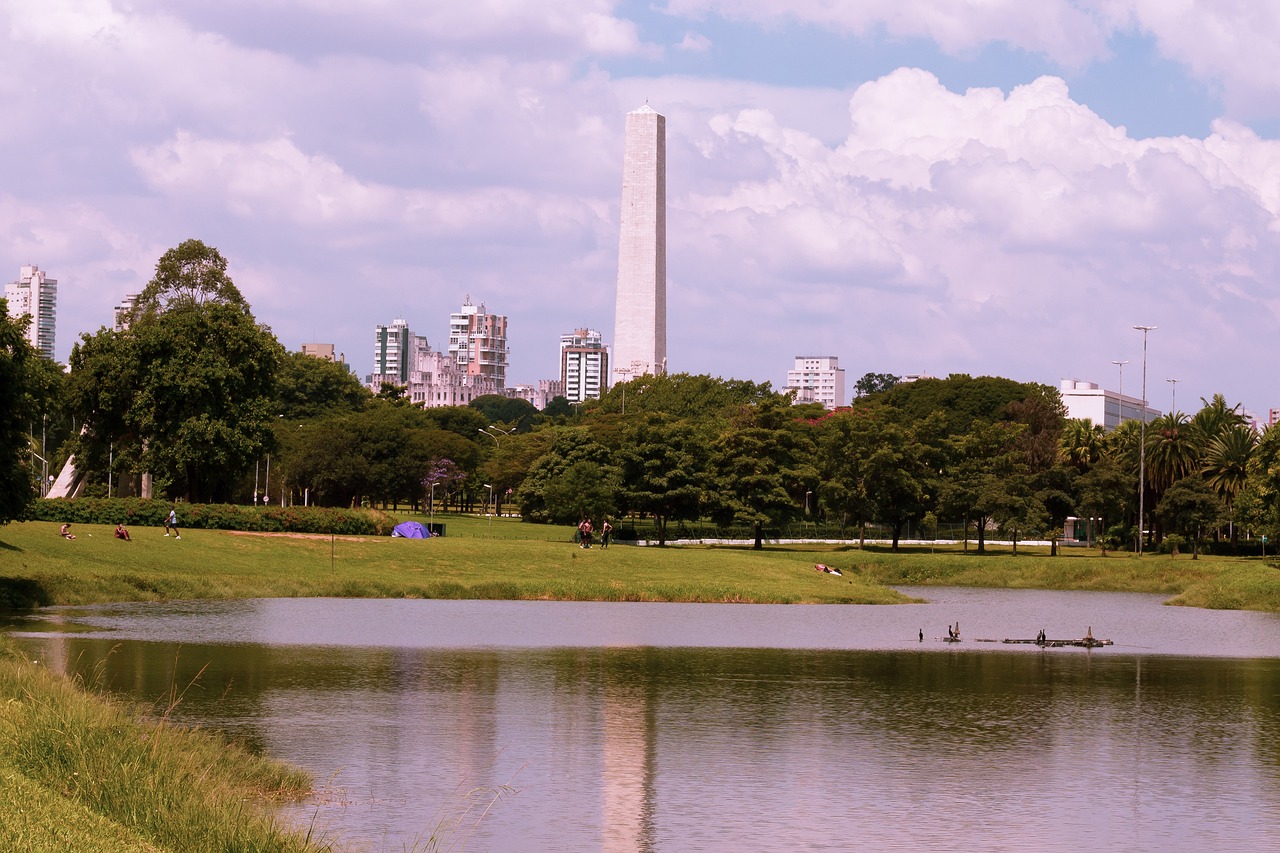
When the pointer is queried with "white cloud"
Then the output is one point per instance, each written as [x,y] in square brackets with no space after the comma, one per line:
[694,43]
[1059,29]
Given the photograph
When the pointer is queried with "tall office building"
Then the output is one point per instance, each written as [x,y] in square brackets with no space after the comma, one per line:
[640,322]
[36,295]
[393,353]
[478,342]
[817,379]
[584,365]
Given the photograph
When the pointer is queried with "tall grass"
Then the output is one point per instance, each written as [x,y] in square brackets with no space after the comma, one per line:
[84,773]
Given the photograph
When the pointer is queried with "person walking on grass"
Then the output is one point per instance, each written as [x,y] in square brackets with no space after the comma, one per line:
[171,523]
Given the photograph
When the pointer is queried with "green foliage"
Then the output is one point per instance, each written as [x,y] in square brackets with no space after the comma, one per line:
[268,519]
[186,393]
[309,387]
[512,411]
[663,470]
[874,383]
[681,395]
[576,478]
[761,466]
[17,393]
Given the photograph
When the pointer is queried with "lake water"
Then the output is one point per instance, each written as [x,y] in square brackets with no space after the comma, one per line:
[531,726]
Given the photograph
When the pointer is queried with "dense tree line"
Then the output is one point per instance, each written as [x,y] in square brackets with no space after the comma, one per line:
[203,400]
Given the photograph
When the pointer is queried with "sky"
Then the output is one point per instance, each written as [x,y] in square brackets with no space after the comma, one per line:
[991,187]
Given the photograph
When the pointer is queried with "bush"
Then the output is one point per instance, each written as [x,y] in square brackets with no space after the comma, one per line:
[1173,544]
[268,519]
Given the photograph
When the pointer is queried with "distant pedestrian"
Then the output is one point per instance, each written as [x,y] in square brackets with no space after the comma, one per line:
[122,532]
[171,523]
[606,533]
[584,533]
[65,532]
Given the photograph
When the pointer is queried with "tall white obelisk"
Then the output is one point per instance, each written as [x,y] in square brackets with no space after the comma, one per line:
[640,324]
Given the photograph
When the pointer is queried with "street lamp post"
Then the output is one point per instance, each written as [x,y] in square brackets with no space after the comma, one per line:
[432,523]
[1142,438]
[1173,407]
[1119,364]
[490,488]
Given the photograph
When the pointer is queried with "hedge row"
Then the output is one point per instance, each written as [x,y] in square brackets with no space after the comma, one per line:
[269,519]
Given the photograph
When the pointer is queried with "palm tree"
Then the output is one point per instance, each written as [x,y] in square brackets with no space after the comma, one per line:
[1216,418]
[1081,443]
[1172,450]
[1225,466]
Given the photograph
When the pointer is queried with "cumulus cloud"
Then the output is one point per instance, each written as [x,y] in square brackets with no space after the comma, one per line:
[694,43]
[1228,43]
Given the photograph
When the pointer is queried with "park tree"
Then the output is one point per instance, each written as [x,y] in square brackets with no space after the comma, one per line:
[874,383]
[309,387]
[17,398]
[1105,492]
[1225,466]
[681,395]
[576,478]
[515,413]
[187,391]
[761,466]
[1189,507]
[983,474]
[663,464]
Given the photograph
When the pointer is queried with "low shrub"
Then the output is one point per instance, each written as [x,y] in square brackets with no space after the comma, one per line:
[269,519]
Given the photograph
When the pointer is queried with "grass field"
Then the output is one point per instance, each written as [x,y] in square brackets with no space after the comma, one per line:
[496,559]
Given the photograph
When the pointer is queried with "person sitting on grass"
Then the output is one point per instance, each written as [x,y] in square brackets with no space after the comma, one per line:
[122,532]
[65,532]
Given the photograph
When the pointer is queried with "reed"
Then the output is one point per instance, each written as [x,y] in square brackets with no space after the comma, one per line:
[79,771]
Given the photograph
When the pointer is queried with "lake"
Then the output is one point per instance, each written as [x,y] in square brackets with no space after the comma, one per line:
[578,726]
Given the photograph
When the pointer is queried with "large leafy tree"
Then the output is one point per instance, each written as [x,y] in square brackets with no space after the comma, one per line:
[577,477]
[309,387]
[1191,508]
[761,466]
[663,469]
[17,360]
[186,393]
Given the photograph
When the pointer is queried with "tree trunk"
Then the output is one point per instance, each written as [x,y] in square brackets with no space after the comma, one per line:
[759,546]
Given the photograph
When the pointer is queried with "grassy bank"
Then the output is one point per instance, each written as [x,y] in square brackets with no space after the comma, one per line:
[79,772]
[37,567]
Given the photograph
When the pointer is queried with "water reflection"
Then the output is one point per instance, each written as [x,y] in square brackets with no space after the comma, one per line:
[673,748]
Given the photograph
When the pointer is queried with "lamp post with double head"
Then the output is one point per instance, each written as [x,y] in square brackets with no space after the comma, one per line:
[1142,438]
[1173,406]
[490,488]
[1119,392]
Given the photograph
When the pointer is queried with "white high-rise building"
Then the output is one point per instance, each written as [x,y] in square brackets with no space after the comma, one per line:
[640,323]
[35,295]
[584,365]
[478,342]
[393,353]
[817,379]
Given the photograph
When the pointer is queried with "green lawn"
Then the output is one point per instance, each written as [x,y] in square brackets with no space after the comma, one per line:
[37,567]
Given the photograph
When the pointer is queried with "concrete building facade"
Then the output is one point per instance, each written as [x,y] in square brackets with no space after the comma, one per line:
[393,352]
[35,295]
[584,365]
[640,321]
[1109,408]
[817,379]
[478,342]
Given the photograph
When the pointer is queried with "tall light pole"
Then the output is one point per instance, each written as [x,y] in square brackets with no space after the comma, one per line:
[1142,438]
[1174,405]
[432,523]
[1119,364]
[490,488]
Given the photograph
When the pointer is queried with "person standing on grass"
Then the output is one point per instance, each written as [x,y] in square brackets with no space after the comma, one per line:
[171,523]
[584,533]
[606,530]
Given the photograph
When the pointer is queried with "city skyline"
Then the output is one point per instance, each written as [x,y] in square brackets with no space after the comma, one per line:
[1000,188]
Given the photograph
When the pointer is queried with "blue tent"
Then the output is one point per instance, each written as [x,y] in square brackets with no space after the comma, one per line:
[411,530]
